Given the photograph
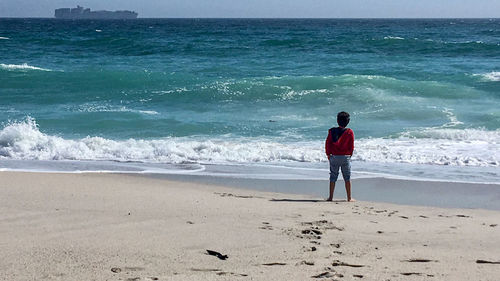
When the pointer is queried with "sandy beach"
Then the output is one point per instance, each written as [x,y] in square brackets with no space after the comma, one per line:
[126,227]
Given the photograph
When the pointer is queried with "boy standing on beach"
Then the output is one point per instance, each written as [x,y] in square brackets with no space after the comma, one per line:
[339,146]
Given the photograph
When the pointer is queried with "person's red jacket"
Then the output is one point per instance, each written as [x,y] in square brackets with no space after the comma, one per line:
[344,145]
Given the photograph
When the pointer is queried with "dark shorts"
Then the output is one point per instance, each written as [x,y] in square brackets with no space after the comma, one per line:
[344,163]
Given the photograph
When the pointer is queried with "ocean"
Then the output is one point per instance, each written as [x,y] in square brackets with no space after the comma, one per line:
[251,97]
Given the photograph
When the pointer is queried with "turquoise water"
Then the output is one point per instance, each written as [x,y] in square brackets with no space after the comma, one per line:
[424,95]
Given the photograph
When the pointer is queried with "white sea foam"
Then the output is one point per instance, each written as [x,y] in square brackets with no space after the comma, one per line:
[469,147]
[295,94]
[23,140]
[294,117]
[393,38]
[491,76]
[4,38]
[107,108]
[452,117]
[440,146]
[22,67]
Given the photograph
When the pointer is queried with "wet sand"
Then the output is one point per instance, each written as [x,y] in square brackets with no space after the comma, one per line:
[126,227]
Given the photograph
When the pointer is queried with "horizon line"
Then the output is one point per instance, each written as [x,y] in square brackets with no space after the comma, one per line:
[268,18]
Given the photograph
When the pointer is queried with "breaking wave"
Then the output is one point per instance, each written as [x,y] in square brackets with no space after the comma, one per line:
[469,147]
[491,76]
[21,67]
[457,147]
[23,140]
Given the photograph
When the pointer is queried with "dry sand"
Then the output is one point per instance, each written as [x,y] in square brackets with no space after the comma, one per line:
[125,227]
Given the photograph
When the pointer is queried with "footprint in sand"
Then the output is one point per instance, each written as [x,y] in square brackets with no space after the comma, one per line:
[266,226]
[341,263]
[336,245]
[224,194]
[328,274]
[392,213]
[217,271]
[126,269]
[323,224]
[306,263]
[139,278]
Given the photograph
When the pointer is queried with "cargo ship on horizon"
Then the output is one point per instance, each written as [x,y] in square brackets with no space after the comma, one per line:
[85,13]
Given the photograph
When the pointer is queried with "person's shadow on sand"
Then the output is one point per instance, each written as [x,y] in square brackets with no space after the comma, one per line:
[305,200]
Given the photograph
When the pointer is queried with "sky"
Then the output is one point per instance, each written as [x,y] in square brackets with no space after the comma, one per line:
[266,8]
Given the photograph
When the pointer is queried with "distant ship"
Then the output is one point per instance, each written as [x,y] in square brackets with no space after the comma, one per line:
[82,13]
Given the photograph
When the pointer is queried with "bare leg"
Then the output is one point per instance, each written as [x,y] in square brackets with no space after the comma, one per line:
[348,191]
[332,188]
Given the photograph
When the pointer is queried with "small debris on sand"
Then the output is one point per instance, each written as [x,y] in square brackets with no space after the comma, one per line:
[217,254]
[420,260]
[487,262]
[327,275]
[341,263]
[274,263]
[411,273]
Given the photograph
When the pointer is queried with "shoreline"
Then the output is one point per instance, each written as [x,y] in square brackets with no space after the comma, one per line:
[378,189]
[366,186]
[128,227]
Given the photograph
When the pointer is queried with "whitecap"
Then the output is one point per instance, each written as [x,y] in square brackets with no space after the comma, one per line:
[21,67]
[150,112]
[393,38]
[4,38]
[453,120]
[491,76]
[89,107]
[294,94]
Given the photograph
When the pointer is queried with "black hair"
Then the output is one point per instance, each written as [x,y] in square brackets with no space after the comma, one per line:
[343,118]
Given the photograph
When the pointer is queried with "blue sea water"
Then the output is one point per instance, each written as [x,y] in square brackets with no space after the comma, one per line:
[251,97]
